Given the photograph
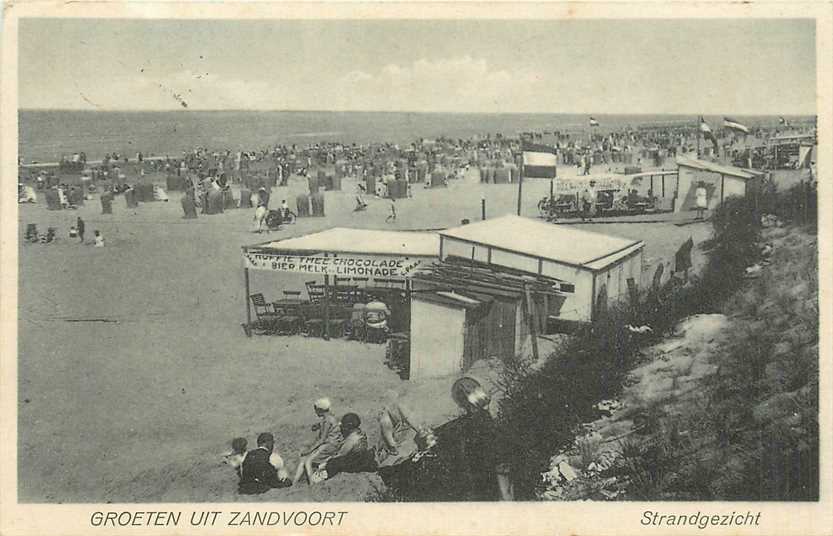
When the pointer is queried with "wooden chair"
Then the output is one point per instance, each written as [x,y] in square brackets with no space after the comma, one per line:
[315,292]
[290,321]
[267,318]
[345,294]
[292,295]
[313,319]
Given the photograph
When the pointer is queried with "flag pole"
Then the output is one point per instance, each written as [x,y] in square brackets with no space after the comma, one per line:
[520,174]
[697,130]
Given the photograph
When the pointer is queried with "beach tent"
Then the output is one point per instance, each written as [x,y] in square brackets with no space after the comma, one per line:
[314,183]
[397,189]
[215,202]
[189,209]
[514,172]
[173,183]
[317,204]
[27,195]
[228,199]
[144,192]
[437,179]
[333,183]
[340,168]
[302,205]
[806,155]
[130,198]
[159,193]
[487,174]
[421,168]
[76,196]
[245,198]
[53,200]
[502,175]
[106,202]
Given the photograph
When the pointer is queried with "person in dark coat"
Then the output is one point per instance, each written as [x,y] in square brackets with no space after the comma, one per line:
[468,461]
[79,225]
[262,469]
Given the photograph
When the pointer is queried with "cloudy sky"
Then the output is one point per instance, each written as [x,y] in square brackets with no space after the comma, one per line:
[662,66]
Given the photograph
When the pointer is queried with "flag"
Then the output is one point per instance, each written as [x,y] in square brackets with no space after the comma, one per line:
[728,122]
[706,130]
[593,122]
[539,161]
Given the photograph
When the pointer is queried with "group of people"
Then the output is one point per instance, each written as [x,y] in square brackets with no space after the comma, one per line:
[78,230]
[75,231]
[340,446]
[471,469]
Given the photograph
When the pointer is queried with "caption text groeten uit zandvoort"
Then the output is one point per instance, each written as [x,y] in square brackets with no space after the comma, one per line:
[299,518]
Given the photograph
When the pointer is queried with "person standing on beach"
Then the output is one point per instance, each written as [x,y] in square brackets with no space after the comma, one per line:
[79,226]
[702,199]
[392,216]
[263,197]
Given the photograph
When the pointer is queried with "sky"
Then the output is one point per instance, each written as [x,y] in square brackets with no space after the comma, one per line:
[743,66]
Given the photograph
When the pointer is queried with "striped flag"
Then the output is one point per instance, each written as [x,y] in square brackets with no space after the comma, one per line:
[593,122]
[728,122]
[539,161]
[706,130]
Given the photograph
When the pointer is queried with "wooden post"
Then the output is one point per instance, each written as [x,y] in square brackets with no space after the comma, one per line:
[482,208]
[530,315]
[248,303]
[326,332]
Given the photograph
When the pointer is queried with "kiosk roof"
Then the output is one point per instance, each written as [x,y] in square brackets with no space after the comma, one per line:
[545,240]
[360,241]
[714,167]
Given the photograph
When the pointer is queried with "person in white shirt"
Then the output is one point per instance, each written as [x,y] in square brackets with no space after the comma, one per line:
[702,199]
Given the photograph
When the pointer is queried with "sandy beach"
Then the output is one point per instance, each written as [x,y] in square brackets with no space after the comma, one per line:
[135,373]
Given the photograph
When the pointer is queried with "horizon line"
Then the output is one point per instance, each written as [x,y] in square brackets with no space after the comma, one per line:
[277,110]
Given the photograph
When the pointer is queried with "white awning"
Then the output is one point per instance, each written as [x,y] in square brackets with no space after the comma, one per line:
[359,241]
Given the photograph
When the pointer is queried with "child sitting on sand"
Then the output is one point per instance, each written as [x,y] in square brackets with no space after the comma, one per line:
[99,240]
[235,457]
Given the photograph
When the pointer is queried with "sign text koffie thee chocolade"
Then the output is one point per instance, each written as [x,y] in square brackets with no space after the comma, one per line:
[344,266]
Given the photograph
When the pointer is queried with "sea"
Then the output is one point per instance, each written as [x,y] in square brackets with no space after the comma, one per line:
[46,135]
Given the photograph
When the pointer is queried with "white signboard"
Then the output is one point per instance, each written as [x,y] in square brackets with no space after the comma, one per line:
[568,186]
[342,265]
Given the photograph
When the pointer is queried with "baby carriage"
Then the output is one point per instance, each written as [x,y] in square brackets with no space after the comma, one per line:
[274,220]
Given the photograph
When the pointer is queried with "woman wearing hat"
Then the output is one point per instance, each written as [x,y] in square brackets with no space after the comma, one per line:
[326,443]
